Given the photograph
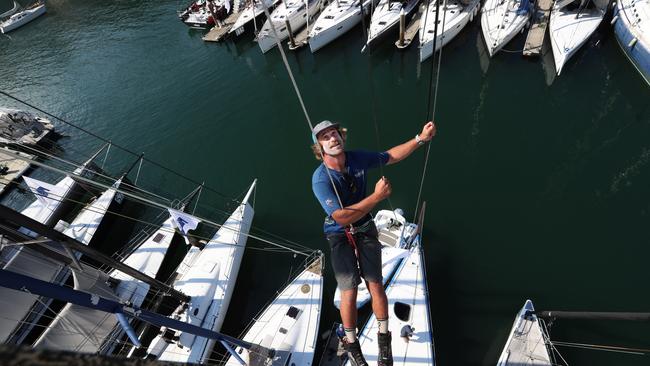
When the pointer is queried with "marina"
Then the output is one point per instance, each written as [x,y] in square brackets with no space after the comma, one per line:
[536,187]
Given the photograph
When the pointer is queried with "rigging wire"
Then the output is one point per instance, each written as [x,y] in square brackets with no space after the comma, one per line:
[90,208]
[143,200]
[432,100]
[302,104]
[2,92]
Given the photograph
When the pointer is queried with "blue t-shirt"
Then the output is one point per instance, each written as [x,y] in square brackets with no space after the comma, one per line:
[350,184]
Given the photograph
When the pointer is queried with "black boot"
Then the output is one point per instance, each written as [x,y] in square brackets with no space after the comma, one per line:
[385,349]
[354,353]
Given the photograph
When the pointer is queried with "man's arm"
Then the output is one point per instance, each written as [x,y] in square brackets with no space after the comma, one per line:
[353,213]
[400,152]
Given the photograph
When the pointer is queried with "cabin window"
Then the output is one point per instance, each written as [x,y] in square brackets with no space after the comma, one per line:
[282,330]
[382,23]
[158,237]
[196,312]
[402,311]
[329,17]
[283,29]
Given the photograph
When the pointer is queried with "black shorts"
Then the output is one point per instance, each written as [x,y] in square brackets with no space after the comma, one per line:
[347,270]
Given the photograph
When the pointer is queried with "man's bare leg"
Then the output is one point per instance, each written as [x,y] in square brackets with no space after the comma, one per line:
[348,308]
[379,300]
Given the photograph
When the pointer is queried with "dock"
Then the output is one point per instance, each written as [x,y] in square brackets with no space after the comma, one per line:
[11,168]
[535,38]
[302,38]
[412,28]
[219,33]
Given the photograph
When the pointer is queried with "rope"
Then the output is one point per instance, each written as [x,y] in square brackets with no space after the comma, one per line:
[431,109]
[302,104]
[606,348]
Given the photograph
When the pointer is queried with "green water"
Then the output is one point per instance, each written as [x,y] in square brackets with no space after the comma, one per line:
[533,190]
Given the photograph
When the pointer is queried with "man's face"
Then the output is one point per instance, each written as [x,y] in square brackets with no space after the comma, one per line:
[331,141]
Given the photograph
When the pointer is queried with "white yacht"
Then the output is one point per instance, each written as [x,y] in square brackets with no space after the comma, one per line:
[570,25]
[289,324]
[296,12]
[209,278]
[252,10]
[632,29]
[527,342]
[453,18]
[23,17]
[502,20]
[337,18]
[409,316]
[386,17]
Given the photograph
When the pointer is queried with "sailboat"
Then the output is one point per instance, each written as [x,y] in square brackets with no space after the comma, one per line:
[209,281]
[22,315]
[337,18]
[395,236]
[52,199]
[10,11]
[21,18]
[295,12]
[527,341]
[409,316]
[77,328]
[632,29]
[502,20]
[252,10]
[289,324]
[570,25]
[454,16]
[386,17]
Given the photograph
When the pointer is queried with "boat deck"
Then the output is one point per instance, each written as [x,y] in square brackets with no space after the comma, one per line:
[16,168]
[411,29]
[219,33]
[535,38]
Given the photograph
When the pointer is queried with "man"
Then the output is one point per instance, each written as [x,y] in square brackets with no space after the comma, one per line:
[349,228]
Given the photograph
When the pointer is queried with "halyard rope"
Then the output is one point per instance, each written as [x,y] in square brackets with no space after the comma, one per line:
[431,111]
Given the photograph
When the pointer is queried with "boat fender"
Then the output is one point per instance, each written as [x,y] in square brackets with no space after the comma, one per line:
[614,20]
[632,42]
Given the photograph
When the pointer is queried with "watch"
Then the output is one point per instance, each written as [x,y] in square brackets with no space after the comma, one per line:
[419,140]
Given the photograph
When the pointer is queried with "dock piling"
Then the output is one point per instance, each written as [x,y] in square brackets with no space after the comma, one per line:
[402,20]
[292,42]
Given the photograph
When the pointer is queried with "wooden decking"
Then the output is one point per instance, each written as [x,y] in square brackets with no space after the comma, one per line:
[412,29]
[535,38]
[219,33]
[302,38]
[16,168]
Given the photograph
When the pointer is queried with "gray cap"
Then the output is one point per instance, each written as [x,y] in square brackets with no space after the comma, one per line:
[323,125]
